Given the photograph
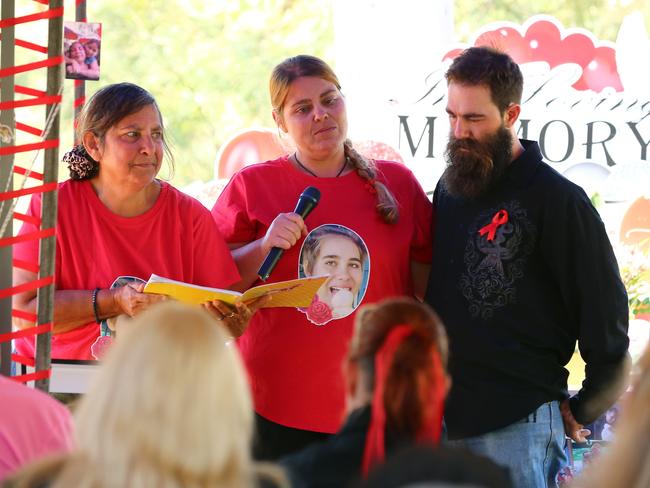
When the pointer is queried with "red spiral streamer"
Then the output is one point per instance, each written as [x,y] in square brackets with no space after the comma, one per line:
[34,98]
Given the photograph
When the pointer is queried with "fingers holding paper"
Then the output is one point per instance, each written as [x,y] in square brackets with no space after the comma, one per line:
[235,317]
[132,300]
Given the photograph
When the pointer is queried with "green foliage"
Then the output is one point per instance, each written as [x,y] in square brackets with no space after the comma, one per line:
[634,264]
[207,63]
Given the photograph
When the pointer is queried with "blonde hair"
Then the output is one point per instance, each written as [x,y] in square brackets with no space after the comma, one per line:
[304,65]
[627,460]
[169,408]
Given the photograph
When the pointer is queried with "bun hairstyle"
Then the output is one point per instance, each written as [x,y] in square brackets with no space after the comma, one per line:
[305,65]
[103,110]
[401,348]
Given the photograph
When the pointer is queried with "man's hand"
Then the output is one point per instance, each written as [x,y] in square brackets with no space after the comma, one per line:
[572,428]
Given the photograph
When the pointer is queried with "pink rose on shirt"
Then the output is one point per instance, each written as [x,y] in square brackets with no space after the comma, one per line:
[319,312]
[100,346]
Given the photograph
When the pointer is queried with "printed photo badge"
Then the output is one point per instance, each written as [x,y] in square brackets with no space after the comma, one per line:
[339,252]
[108,327]
[82,50]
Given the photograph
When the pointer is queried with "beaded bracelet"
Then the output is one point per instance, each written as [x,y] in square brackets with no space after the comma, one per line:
[94,300]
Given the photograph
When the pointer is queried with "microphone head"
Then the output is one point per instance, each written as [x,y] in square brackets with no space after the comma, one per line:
[307,202]
[311,193]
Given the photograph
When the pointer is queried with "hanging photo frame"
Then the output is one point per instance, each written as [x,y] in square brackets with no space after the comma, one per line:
[82,50]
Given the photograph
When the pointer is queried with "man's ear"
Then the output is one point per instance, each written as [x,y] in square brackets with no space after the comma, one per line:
[511,115]
[91,143]
[278,121]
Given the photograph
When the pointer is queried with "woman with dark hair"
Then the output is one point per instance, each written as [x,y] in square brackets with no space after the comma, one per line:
[293,357]
[396,384]
[115,217]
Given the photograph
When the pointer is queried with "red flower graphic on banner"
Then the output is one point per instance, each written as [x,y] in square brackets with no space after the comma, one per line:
[546,40]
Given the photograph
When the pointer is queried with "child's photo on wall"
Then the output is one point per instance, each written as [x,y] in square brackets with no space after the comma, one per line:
[82,49]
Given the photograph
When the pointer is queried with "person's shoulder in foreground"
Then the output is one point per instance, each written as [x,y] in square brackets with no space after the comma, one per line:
[32,425]
[437,466]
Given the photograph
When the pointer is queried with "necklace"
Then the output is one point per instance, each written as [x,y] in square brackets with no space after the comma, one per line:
[345,164]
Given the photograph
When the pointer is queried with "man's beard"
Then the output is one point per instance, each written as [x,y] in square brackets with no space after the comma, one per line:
[473,167]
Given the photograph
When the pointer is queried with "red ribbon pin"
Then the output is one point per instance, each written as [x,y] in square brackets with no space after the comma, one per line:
[500,218]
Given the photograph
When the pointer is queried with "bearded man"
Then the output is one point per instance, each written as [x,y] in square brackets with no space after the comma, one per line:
[522,271]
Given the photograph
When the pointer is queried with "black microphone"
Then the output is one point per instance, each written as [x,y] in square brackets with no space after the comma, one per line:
[306,203]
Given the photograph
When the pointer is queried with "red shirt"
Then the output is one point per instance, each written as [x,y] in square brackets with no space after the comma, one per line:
[295,366]
[176,238]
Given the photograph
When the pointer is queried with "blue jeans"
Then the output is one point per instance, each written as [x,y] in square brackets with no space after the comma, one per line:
[532,448]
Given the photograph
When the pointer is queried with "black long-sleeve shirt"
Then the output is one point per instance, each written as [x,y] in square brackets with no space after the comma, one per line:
[514,306]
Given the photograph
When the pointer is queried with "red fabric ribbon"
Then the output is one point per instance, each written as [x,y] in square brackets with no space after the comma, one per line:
[30,331]
[432,428]
[38,375]
[375,449]
[500,218]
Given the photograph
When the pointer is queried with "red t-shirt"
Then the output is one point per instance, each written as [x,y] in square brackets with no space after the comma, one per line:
[176,238]
[295,366]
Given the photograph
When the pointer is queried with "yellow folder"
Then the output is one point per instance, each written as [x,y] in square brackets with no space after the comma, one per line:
[293,293]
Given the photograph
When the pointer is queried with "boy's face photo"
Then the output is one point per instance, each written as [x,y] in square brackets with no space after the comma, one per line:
[341,254]
[341,259]
[91,49]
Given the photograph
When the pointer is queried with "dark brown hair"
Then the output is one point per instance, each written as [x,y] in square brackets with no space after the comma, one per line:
[404,404]
[106,108]
[304,65]
[491,68]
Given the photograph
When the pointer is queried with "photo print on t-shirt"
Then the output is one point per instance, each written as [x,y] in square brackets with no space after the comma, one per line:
[339,252]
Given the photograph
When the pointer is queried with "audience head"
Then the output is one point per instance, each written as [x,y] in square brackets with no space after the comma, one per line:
[316,71]
[398,357]
[104,110]
[170,407]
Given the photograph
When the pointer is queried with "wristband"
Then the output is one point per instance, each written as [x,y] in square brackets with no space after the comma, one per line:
[94,301]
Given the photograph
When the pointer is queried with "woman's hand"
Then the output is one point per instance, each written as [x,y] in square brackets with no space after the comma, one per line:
[131,300]
[235,317]
[284,232]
